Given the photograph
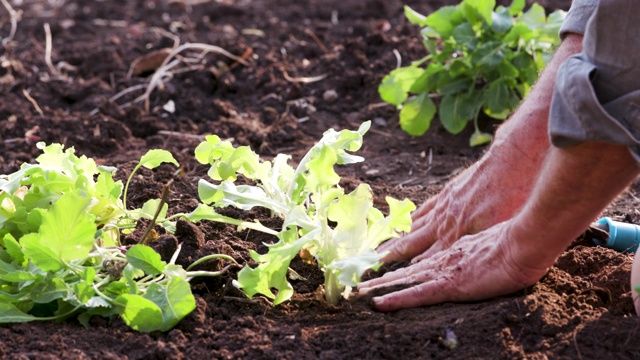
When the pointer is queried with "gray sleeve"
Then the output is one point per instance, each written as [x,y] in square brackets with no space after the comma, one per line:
[597,92]
[577,17]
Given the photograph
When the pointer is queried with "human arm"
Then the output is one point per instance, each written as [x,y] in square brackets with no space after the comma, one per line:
[575,184]
[495,187]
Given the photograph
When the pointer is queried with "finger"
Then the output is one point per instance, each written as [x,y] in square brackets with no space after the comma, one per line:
[428,293]
[409,246]
[364,289]
[419,272]
[424,209]
[437,247]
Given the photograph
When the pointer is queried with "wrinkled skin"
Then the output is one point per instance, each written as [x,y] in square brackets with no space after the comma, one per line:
[501,204]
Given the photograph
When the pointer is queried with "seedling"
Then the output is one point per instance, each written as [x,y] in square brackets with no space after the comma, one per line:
[60,221]
[308,199]
[481,58]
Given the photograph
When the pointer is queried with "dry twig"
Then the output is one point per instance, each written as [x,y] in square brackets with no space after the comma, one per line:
[15,17]
[32,101]
[48,49]
[168,64]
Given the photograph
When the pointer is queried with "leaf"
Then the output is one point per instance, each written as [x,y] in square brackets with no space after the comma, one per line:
[451,110]
[146,259]
[450,86]
[416,115]
[395,86]
[428,80]
[149,210]
[9,313]
[502,21]
[535,17]
[244,197]
[271,272]
[154,158]
[66,234]
[465,36]
[501,101]
[414,17]
[350,271]
[139,313]
[174,300]
[444,20]
[483,9]
[321,175]
[490,54]
[14,249]
[48,291]
[399,219]
[480,138]
[516,7]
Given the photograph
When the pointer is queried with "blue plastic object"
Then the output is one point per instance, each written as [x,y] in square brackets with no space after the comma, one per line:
[622,236]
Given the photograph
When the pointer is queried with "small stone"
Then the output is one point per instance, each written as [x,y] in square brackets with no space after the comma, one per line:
[380,122]
[330,96]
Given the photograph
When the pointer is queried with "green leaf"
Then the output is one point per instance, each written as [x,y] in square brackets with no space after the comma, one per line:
[146,259]
[480,138]
[14,249]
[507,70]
[444,20]
[414,17]
[271,272]
[174,299]
[149,210]
[501,101]
[451,113]
[66,234]
[428,80]
[465,36]
[48,291]
[416,115]
[321,175]
[516,7]
[535,17]
[9,313]
[490,54]
[154,158]
[139,313]
[501,21]
[481,8]
[450,86]
[395,86]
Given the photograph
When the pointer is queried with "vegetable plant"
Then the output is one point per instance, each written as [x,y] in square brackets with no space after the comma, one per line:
[60,254]
[339,230]
[480,58]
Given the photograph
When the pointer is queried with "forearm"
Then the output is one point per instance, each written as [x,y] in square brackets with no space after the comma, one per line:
[575,185]
[527,130]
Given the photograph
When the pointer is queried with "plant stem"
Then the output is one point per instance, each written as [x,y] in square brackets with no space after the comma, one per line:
[209,257]
[163,200]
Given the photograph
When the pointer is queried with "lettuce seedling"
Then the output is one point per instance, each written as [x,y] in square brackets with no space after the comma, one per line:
[60,254]
[309,200]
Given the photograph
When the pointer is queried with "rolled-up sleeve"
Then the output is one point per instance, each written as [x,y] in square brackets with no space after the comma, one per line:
[577,114]
[577,17]
[597,92]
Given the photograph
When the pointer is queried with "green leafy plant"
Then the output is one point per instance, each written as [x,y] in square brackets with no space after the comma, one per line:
[339,230]
[60,255]
[481,58]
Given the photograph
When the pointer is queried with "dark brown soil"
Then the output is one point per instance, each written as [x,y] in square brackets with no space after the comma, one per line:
[581,309]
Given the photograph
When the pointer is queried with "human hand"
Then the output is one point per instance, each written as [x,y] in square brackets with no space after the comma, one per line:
[487,193]
[476,267]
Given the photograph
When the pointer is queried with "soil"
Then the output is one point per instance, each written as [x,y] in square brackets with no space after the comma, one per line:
[310,66]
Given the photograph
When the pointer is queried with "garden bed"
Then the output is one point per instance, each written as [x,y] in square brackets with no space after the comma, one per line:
[312,65]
